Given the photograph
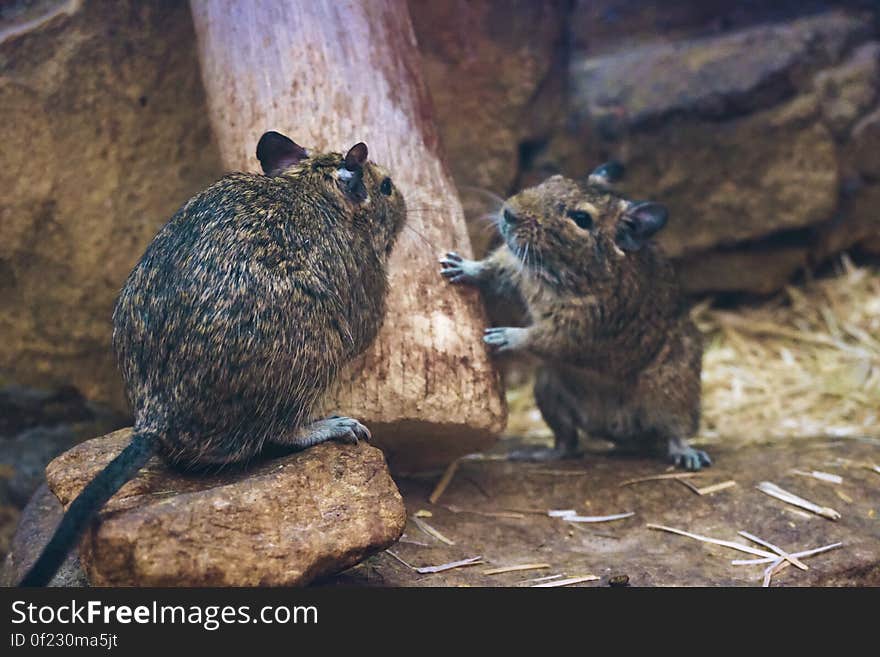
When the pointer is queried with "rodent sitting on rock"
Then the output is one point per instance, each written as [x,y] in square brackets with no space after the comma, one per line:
[620,356]
[240,314]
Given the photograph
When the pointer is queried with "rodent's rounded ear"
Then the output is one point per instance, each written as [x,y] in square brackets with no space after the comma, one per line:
[638,224]
[606,174]
[277,152]
[356,157]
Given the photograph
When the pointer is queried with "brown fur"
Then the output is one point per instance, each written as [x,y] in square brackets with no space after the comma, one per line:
[247,303]
[620,357]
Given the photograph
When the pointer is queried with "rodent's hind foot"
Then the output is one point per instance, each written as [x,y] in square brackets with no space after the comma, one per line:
[459,270]
[347,429]
[337,427]
[542,454]
[685,456]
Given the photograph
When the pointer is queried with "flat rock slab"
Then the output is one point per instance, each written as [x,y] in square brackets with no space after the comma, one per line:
[498,510]
[281,523]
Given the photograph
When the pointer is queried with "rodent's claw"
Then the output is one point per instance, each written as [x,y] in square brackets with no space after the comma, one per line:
[451,257]
[495,338]
[504,338]
[691,459]
[455,268]
[349,430]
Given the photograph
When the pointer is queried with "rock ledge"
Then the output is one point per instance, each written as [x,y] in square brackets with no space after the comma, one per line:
[284,522]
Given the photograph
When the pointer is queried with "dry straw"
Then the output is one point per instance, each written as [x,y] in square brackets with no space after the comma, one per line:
[804,364]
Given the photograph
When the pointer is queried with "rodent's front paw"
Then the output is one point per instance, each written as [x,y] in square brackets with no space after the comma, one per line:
[504,338]
[457,269]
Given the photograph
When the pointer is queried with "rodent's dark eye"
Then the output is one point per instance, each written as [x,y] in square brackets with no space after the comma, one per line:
[581,218]
[385,187]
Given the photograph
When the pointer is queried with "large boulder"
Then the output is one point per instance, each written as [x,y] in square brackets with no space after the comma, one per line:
[493,68]
[495,71]
[752,137]
[283,522]
[736,181]
[105,133]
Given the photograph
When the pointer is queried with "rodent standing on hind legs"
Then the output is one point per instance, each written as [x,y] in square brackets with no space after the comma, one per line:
[620,356]
[240,314]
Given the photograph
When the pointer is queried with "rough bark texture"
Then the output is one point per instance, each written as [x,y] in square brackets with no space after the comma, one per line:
[282,523]
[330,74]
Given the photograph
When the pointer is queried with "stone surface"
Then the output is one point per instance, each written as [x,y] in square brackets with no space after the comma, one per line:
[283,522]
[862,151]
[757,270]
[602,26]
[592,486]
[857,223]
[709,77]
[36,426]
[487,64]
[737,181]
[105,134]
[24,408]
[729,131]
[848,91]
[38,521]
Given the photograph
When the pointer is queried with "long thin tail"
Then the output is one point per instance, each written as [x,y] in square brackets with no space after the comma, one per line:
[87,503]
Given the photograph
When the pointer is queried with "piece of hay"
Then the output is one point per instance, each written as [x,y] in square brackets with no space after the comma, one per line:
[616,516]
[546,578]
[714,488]
[400,559]
[771,489]
[707,490]
[715,541]
[452,468]
[430,531]
[444,481]
[689,486]
[566,582]
[821,476]
[514,569]
[661,477]
[426,570]
[799,555]
[771,570]
[571,515]
[782,553]
[803,364]
[489,514]
[846,498]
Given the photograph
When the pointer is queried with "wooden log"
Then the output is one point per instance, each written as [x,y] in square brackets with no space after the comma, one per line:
[330,73]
